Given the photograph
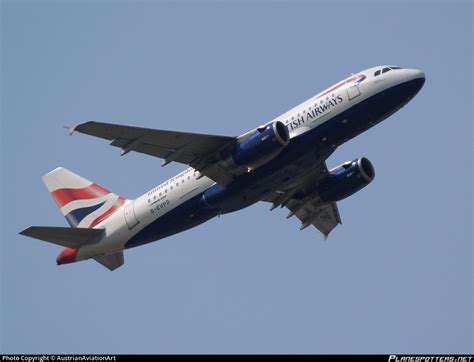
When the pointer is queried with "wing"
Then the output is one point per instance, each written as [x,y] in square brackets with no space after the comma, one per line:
[303,202]
[201,151]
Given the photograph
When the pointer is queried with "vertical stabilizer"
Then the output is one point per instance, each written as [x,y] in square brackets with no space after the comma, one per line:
[83,203]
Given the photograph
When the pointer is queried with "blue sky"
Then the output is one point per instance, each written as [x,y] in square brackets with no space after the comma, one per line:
[396,277]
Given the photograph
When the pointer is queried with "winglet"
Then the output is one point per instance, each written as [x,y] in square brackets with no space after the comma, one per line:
[70,129]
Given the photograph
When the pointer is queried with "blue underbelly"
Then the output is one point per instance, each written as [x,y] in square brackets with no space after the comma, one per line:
[185,216]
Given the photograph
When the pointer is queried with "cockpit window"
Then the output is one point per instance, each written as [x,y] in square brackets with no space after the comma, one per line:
[385,70]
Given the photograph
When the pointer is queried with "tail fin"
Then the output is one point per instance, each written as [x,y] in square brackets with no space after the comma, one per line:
[83,203]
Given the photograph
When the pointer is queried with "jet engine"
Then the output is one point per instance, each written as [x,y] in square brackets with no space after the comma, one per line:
[261,146]
[346,179]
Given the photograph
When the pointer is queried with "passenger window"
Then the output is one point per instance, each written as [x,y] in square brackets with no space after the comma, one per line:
[385,70]
[377,73]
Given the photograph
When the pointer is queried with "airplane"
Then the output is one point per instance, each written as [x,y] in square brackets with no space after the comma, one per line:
[282,162]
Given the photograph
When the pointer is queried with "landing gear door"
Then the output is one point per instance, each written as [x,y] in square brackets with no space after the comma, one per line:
[129,213]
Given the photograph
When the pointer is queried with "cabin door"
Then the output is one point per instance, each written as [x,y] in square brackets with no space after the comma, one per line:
[353,91]
[130,217]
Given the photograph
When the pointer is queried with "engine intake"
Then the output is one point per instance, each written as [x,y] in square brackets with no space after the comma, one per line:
[346,179]
[261,146]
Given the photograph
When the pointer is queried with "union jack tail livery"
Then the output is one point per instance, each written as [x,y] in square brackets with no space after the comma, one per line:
[83,203]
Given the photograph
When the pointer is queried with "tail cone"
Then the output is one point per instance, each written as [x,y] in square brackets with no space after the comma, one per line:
[68,255]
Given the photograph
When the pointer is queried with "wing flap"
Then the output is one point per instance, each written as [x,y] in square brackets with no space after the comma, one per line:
[303,202]
[64,236]
[324,218]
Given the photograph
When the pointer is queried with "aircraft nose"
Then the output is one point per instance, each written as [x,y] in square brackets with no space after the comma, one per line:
[415,79]
[412,74]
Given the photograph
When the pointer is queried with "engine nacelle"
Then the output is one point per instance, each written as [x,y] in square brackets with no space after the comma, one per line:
[346,179]
[261,146]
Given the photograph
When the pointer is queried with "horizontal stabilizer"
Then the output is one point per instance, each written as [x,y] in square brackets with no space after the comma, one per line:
[111,261]
[64,236]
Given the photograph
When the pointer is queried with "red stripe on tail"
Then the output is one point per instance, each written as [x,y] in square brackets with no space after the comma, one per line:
[109,212]
[65,196]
